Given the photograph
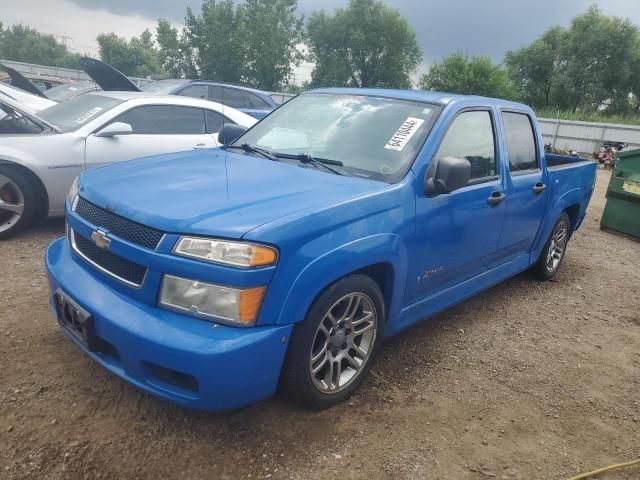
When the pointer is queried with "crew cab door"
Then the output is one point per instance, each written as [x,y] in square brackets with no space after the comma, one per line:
[458,232]
[156,129]
[527,189]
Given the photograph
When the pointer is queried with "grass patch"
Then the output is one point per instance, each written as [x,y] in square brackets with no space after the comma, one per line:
[629,119]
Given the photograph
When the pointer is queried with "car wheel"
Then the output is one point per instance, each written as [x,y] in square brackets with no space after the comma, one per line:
[553,252]
[17,202]
[331,351]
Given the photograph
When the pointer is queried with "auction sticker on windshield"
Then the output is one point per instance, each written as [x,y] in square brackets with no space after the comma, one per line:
[86,116]
[402,136]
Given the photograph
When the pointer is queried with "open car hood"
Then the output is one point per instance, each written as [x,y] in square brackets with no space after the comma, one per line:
[107,77]
[19,81]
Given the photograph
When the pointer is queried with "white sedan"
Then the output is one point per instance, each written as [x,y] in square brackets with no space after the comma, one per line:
[41,154]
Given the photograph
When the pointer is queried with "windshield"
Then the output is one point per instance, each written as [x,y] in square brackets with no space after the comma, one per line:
[67,90]
[163,87]
[372,137]
[74,113]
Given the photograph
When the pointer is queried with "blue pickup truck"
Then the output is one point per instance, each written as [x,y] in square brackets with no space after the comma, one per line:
[283,259]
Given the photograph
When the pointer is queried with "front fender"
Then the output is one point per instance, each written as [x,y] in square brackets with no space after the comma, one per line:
[340,262]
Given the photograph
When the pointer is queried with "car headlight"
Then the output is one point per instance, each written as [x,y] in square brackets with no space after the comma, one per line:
[73,191]
[233,306]
[237,254]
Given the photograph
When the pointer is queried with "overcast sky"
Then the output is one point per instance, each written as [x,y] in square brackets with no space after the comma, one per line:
[478,27]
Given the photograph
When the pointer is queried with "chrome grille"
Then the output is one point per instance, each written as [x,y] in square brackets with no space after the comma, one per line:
[119,226]
[120,268]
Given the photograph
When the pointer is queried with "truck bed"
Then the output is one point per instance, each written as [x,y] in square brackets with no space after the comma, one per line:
[558,161]
[571,181]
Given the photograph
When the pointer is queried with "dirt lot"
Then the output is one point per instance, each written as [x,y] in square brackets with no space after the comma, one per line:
[526,381]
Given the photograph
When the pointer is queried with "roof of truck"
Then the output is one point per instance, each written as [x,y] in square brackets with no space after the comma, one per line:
[418,95]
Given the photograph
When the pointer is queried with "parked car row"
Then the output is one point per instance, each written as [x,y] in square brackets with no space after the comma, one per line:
[254,102]
[48,138]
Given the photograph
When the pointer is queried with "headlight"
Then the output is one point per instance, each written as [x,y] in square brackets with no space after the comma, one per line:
[205,300]
[228,253]
[73,191]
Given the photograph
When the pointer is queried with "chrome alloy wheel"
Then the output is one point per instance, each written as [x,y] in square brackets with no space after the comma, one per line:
[343,343]
[557,246]
[11,203]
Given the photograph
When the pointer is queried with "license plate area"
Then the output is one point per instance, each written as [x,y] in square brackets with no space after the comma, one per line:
[75,320]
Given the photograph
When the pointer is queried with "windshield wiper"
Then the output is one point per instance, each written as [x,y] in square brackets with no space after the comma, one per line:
[319,162]
[251,149]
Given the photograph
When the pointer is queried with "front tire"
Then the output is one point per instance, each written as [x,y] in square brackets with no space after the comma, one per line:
[17,202]
[553,252]
[332,350]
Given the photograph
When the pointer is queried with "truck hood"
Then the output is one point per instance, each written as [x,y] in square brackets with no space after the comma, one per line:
[214,192]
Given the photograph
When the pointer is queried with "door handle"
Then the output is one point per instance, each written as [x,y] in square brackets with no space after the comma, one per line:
[539,188]
[199,146]
[496,198]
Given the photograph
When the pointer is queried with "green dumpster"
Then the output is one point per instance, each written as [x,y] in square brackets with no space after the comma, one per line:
[622,210]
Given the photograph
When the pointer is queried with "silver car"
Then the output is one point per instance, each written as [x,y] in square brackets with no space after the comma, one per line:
[41,153]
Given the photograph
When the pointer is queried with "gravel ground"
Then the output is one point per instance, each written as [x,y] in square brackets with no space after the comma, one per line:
[527,380]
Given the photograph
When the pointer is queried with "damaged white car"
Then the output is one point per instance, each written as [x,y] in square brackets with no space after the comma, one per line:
[41,153]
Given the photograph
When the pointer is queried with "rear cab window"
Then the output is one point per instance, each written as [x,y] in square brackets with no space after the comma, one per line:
[521,143]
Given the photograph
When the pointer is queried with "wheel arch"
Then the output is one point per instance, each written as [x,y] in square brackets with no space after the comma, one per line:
[42,208]
[381,257]
[574,212]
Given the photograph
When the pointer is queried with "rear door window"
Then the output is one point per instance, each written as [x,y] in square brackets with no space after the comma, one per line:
[254,101]
[164,120]
[215,94]
[232,97]
[521,143]
[195,91]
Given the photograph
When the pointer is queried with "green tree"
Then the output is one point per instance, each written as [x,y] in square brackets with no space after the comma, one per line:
[21,43]
[254,42]
[272,33]
[458,73]
[367,44]
[590,66]
[137,57]
[534,69]
[213,37]
[174,53]
[597,61]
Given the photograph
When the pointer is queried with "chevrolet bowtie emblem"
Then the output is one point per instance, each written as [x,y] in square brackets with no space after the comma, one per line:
[100,239]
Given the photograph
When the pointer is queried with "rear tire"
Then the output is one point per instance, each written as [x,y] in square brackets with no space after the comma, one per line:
[554,250]
[17,201]
[332,350]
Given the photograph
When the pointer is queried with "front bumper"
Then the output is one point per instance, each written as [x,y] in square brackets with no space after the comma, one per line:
[185,360]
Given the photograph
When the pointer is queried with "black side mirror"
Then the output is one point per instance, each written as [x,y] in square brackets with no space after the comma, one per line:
[451,174]
[229,132]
